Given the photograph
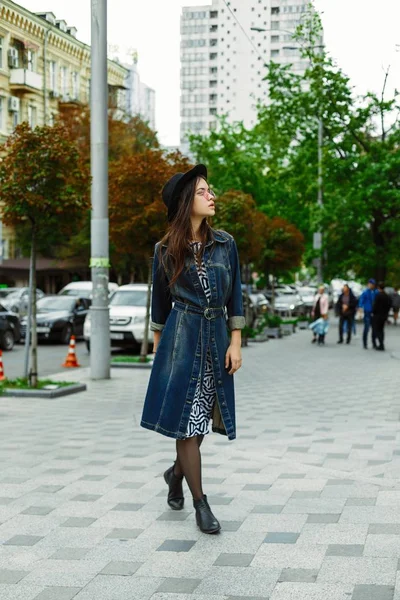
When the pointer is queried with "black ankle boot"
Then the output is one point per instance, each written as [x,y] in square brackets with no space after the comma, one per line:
[175,494]
[205,520]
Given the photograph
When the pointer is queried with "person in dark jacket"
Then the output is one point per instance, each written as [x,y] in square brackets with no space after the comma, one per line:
[366,302]
[381,308]
[346,309]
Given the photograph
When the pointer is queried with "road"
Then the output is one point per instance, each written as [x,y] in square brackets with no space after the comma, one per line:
[308,495]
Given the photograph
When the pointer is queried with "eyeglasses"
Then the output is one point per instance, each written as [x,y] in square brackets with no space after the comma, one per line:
[209,193]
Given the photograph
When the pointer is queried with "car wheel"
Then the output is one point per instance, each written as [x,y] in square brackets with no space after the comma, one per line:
[66,334]
[88,346]
[7,340]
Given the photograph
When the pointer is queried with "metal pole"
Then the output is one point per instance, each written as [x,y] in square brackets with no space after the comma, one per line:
[99,312]
[318,234]
[29,320]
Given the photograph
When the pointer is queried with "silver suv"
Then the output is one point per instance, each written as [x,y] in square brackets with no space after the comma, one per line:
[127,317]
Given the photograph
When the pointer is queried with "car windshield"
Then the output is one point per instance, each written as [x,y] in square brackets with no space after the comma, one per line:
[129,298]
[51,303]
[13,296]
[4,293]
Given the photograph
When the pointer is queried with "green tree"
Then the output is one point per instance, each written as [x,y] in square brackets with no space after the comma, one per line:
[43,184]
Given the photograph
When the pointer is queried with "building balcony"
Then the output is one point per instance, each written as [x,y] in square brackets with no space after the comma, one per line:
[25,81]
[68,101]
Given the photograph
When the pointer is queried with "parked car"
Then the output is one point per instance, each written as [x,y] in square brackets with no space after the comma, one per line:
[59,317]
[10,331]
[286,301]
[6,291]
[127,317]
[260,304]
[307,294]
[18,300]
[83,289]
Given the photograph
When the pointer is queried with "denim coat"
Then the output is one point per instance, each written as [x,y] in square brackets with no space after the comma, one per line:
[190,324]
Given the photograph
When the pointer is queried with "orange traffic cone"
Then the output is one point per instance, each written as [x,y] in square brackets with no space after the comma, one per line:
[2,376]
[71,360]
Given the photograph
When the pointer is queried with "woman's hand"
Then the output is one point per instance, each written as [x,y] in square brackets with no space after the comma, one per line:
[233,358]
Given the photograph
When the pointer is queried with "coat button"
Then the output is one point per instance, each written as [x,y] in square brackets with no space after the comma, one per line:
[213,339]
[219,382]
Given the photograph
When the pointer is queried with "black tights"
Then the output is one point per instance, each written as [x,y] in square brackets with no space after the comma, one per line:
[188,463]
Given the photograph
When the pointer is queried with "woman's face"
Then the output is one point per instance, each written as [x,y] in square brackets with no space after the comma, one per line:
[346,290]
[204,200]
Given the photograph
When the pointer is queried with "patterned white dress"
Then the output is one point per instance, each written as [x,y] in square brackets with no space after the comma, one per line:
[204,397]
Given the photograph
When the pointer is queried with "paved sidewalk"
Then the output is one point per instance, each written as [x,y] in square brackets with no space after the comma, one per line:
[308,495]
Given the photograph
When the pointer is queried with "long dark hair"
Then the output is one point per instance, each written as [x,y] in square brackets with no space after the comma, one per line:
[180,233]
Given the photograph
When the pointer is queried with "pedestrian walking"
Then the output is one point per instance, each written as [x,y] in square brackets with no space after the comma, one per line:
[395,298]
[319,314]
[346,308]
[381,309]
[366,303]
[196,282]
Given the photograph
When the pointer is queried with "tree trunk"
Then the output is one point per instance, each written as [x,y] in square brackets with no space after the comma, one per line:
[145,344]
[33,376]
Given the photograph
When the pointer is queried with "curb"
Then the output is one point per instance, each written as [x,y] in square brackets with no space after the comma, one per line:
[124,365]
[64,391]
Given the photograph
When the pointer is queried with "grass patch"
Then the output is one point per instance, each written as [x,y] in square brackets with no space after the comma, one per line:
[130,359]
[22,383]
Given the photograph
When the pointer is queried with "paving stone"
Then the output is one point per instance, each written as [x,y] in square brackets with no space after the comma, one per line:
[344,550]
[230,525]
[256,487]
[130,485]
[361,502]
[384,528]
[173,516]
[8,576]
[299,494]
[4,501]
[260,509]
[310,591]
[373,592]
[291,476]
[121,568]
[340,482]
[281,538]
[124,534]
[126,506]
[58,593]
[176,546]
[358,570]
[179,586]
[37,510]
[305,575]
[233,560]
[316,518]
[86,498]
[78,522]
[49,489]
[23,540]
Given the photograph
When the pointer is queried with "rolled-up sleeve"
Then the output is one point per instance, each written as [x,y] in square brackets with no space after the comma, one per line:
[234,305]
[161,302]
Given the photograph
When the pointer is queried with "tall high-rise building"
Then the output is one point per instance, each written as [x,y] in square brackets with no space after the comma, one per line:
[140,98]
[224,48]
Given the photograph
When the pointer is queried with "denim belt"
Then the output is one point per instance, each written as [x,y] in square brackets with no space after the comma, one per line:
[208,313]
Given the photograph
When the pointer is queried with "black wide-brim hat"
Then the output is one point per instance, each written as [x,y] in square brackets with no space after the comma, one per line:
[172,190]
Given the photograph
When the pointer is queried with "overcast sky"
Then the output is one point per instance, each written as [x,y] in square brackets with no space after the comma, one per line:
[360,34]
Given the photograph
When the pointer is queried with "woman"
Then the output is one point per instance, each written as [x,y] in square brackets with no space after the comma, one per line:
[319,311]
[196,278]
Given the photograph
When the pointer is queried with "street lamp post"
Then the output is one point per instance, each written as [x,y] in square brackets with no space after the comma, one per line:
[99,312]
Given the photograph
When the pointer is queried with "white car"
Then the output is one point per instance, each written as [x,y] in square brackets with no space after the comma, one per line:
[127,317]
[83,289]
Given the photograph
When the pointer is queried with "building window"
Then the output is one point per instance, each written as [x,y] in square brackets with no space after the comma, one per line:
[1,51]
[274,39]
[64,80]
[274,24]
[213,14]
[275,10]
[30,60]
[53,76]
[274,52]
[15,119]
[32,116]
[75,85]
[213,55]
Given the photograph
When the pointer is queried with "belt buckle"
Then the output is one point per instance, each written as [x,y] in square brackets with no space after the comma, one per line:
[208,313]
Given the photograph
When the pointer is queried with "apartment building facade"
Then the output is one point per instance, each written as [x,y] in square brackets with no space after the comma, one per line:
[141,99]
[224,48]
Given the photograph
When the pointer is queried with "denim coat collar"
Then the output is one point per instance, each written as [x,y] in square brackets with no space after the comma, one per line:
[219,236]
